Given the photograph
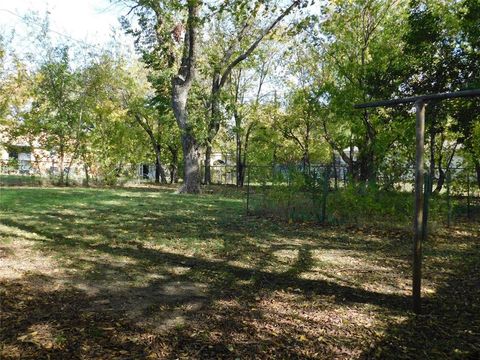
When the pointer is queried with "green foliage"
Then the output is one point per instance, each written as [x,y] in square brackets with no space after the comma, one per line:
[360,205]
[289,101]
[297,195]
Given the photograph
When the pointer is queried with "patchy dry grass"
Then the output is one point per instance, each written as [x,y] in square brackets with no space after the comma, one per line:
[130,274]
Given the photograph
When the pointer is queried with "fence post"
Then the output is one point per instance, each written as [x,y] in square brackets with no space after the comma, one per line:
[449,205]
[418,218]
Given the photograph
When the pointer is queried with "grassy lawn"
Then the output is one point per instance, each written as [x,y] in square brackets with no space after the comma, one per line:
[145,273]
[20,180]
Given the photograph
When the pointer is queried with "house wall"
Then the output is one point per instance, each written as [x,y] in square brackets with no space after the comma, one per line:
[219,158]
[41,162]
[3,154]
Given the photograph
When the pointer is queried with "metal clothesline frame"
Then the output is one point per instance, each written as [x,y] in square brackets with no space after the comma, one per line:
[420,222]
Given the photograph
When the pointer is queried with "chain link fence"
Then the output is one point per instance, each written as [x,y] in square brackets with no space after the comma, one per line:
[36,173]
[329,194]
[319,193]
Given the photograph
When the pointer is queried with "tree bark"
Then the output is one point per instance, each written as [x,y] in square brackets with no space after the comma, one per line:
[477,170]
[366,156]
[366,163]
[181,84]
[191,178]
[306,151]
[213,125]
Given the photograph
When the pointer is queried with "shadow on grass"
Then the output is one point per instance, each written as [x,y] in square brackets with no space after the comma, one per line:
[226,301]
[211,310]
[449,327]
[43,324]
[38,324]
[219,274]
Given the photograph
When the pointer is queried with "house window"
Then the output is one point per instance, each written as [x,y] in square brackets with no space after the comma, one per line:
[145,171]
[13,155]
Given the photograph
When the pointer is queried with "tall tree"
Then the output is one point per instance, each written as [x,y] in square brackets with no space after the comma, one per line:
[430,43]
[467,113]
[244,104]
[238,45]
[168,39]
[360,49]
[56,114]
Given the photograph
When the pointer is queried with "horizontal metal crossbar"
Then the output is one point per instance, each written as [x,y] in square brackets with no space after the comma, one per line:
[441,96]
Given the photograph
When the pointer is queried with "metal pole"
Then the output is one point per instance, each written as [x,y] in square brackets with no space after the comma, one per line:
[418,219]
[423,98]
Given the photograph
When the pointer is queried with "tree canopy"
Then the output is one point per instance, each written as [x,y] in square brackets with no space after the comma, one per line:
[263,82]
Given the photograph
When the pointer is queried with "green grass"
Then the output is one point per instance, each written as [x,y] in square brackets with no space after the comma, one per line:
[151,273]
[20,180]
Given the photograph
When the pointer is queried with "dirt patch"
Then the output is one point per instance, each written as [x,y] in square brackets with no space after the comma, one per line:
[18,256]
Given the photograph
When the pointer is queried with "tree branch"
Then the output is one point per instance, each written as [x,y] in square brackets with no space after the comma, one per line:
[255,44]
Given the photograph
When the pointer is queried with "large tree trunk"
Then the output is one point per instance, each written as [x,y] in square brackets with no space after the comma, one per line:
[441,180]
[191,178]
[366,164]
[367,154]
[181,84]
